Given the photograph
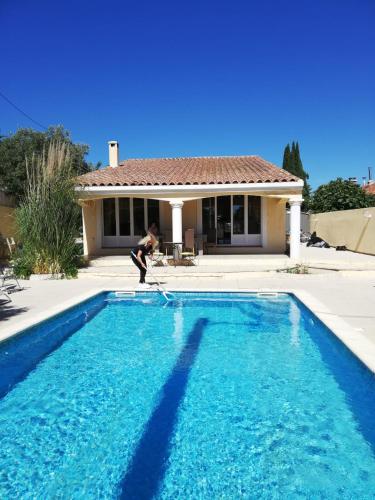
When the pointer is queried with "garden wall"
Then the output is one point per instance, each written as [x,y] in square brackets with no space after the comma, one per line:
[7,224]
[353,228]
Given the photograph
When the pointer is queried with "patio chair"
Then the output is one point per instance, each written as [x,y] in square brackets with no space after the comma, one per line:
[11,245]
[7,274]
[188,251]
[158,258]
[4,291]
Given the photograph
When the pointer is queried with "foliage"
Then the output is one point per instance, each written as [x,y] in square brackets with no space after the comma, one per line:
[298,269]
[48,217]
[22,263]
[20,147]
[292,163]
[180,262]
[340,194]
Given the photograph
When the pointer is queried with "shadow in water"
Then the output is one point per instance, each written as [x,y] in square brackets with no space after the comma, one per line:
[147,468]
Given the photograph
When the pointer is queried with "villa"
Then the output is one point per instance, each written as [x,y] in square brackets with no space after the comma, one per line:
[234,204]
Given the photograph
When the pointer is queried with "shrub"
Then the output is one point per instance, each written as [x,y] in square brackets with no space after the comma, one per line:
[48,217]
[340,194]
[23,265]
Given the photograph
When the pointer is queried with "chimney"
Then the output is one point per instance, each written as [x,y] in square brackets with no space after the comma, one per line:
[113,153]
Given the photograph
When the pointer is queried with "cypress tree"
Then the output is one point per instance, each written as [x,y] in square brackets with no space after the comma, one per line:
[286,158]
[292,163]
[300,171]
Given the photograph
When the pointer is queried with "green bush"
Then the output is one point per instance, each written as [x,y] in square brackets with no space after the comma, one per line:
[340,194]
[48,217]
[23,265]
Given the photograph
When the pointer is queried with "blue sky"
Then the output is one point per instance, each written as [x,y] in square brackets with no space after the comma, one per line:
[192,78]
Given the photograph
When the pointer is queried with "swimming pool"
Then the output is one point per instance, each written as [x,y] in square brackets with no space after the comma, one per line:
[220,395]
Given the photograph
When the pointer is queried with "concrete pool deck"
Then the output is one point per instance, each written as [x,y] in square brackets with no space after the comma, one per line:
[346,304]
[317,259]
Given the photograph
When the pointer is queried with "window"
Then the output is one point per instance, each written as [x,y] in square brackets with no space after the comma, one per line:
[139,216]
[254,212]
[153,213]
[124,216]
[224,225]
[109,216]
[238,214]
[208,214]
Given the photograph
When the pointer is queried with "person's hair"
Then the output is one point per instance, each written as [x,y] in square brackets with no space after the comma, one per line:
[149,239]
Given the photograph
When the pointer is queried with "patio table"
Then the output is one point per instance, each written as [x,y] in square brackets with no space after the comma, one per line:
[176,248]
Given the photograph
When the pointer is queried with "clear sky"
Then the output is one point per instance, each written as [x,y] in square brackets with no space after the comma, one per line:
[196,77]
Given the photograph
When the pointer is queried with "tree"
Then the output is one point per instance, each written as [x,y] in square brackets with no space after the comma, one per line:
[340,194]
[286,158]
[20,147]
[292,163]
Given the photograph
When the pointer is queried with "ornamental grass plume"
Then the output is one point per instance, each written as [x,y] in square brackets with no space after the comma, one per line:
[48,218]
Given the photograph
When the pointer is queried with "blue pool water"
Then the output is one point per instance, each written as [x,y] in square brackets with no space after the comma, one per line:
[210,396]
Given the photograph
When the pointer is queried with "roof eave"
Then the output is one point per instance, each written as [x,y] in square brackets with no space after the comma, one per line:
[193,190]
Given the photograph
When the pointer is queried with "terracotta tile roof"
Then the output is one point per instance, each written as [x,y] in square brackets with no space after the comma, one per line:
[370,188]
[185,171]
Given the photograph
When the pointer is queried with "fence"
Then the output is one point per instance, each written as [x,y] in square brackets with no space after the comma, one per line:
[7,225]
[353,228]
[6,200]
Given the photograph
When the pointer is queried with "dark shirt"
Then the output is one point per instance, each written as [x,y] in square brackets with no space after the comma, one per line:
[144,250]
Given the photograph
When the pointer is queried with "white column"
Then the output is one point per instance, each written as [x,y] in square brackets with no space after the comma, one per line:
[295,228]
[84,235]
[89,228]
[177,221]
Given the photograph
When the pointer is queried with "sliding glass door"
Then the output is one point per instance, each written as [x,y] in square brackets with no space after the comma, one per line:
[223,220]
[208,219]
[232,220]
[109,217]
[139,224]
[124,216]
[125,220]
[238,209]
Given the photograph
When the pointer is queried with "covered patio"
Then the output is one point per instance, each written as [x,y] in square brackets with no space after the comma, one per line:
[232,205]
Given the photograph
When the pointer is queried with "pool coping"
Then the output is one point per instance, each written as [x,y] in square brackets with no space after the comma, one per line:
[354,340]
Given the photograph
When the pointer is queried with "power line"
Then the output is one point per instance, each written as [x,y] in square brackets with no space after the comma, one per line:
[22,112]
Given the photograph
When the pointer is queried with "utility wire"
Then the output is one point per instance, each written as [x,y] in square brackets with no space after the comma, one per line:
[22,112]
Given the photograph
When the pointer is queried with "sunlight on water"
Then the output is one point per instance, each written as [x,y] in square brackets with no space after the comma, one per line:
[208,396]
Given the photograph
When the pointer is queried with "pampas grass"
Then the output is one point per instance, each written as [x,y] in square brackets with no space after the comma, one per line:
[48,218]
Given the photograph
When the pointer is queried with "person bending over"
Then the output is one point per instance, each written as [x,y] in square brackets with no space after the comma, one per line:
[138,256]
